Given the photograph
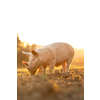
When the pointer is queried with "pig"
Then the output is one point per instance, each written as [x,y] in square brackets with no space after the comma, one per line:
[51,55]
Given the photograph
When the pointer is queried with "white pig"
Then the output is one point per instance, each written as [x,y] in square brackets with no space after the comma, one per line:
[51,55]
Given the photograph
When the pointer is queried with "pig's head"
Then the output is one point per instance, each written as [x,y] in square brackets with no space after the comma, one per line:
[34,61]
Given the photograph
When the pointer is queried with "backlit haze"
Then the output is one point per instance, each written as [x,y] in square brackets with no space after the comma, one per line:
[45,39]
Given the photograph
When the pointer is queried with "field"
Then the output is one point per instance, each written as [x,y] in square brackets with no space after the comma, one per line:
[57,86]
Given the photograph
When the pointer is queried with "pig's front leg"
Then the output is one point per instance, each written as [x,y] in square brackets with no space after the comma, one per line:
[40,69]
[51,67]
[43,69]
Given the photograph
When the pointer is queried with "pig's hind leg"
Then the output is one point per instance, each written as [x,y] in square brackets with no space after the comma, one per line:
[64,66]
[68,64]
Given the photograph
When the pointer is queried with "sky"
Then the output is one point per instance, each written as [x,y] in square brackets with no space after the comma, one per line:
[43,22]
[45,39]
[46,22]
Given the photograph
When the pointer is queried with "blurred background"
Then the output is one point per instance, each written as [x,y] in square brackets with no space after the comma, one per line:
[78,60]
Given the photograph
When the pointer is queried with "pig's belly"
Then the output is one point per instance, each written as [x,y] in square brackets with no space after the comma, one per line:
[59,63]
[60,60]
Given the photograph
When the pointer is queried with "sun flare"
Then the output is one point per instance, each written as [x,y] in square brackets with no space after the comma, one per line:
[25,44]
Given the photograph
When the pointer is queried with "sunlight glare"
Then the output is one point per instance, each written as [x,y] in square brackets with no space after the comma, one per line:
[25,44]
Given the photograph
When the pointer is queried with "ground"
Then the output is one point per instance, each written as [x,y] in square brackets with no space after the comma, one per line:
[57,86]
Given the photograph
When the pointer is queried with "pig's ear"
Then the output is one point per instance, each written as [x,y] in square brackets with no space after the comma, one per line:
[25,63]
[34,53]
[26,53]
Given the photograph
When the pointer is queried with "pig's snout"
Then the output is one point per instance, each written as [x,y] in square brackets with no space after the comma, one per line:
[32,71]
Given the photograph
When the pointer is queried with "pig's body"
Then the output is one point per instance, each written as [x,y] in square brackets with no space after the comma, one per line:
[56,52]
[54,55]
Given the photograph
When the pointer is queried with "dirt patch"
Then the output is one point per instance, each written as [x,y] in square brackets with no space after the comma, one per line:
[57,86]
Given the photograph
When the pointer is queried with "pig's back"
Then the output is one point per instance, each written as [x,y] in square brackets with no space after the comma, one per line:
[62,51]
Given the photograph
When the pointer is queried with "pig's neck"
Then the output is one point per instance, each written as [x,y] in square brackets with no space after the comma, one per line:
[40,61]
